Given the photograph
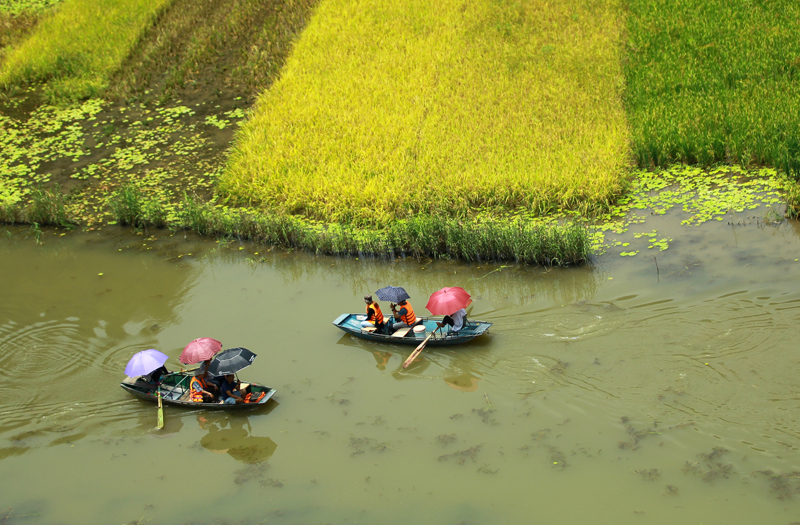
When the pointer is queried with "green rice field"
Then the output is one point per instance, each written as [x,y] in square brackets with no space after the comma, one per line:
[714,81]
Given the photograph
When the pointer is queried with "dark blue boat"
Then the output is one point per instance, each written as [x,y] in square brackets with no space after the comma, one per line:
[351,324]
[175,391]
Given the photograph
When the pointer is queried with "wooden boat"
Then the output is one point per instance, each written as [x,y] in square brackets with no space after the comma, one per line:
[175,391]
[351,323]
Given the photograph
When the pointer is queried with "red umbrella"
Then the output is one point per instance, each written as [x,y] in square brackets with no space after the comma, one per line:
[200,350]
[448,300]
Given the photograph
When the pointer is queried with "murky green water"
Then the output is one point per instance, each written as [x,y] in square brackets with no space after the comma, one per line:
[616,393]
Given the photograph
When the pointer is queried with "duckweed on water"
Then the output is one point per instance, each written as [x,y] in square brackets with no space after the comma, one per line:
[702,194]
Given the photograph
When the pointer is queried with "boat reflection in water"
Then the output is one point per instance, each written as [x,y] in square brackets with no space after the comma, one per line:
[233,435]
[465,382]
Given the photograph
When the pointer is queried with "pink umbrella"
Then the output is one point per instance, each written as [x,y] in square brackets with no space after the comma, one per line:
[448,300]
[200,350]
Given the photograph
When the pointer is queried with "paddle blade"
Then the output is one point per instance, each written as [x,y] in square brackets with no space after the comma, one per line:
[160,424]
[417,351]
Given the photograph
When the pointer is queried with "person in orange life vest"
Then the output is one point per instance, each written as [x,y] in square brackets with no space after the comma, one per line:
[374,314]
[200,389]
[405,315]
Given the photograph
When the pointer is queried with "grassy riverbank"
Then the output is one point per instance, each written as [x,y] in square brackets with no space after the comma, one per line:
[521,241]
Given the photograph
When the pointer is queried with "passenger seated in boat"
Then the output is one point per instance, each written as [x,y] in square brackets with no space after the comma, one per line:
[154,377]
[211,380]
[229,391]
[201,390]
[374,315]
[457,321]
[405,315]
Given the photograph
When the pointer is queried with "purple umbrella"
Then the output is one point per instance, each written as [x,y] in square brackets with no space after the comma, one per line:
[144,362]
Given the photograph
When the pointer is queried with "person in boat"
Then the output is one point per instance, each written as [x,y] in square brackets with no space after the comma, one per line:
[201,390]
[456,321]
[210,379]
[154,377]
[374,315]
[405,316]
[229,390]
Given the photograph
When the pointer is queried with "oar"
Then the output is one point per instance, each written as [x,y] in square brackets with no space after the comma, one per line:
[160,411]
[418,349]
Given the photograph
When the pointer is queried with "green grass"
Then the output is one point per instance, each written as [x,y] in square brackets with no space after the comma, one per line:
[390,110]
[79,46]
[714,81]
[46,207]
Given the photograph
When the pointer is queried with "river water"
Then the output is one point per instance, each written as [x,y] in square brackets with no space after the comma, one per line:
[657,389]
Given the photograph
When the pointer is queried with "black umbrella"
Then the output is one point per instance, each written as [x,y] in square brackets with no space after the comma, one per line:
[395,294]
[231,361]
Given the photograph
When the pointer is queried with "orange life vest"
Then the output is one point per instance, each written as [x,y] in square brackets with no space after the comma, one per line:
[376,317]
[248,398]
[409,318]
[197,397]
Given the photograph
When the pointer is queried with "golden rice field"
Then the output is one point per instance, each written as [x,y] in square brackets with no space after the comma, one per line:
[79,45]
[391,109]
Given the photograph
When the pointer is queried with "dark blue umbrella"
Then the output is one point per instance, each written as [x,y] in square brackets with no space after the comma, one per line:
[231,361]
[144,362]
[395,294]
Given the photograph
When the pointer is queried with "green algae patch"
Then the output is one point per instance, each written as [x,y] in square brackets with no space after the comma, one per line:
[91,149]
[391,110]
[702,195]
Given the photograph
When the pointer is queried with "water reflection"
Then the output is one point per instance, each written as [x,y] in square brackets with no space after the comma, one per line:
[148,418]
[232,435]
[459,366]
[465,382]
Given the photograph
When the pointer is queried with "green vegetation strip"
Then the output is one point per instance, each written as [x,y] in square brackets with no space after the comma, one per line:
[79,46]
[546,244]
[390,110]
[712,81]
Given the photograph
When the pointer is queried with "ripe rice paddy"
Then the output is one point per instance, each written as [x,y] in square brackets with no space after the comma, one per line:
[79,45]
[389,110]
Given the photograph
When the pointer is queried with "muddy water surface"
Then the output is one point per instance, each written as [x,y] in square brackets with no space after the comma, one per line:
[635,390]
